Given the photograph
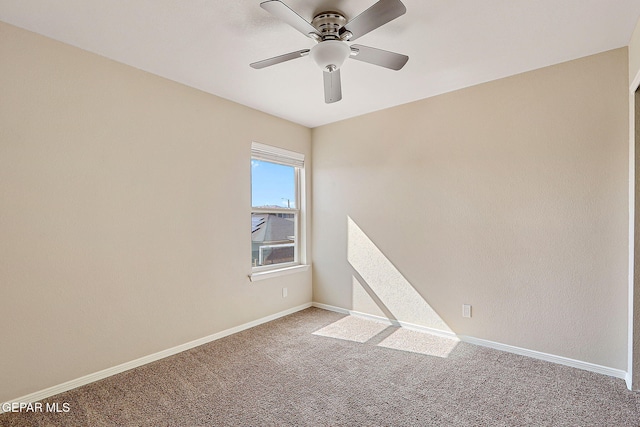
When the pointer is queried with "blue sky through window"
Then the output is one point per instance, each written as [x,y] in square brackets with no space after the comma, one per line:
[272,184]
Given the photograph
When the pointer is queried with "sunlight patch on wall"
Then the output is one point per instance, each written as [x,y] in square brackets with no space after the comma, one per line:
[419,342]
[382,280]
[352,329]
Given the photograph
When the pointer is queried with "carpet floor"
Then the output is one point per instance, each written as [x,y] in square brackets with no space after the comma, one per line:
[320,368]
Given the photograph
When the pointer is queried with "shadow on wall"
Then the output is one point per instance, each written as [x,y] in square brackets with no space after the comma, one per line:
[377,285]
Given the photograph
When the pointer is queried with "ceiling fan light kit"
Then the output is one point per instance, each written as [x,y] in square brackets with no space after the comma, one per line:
[330,54]
[331,30]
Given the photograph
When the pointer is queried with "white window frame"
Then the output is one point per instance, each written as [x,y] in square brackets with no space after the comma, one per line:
[281,156]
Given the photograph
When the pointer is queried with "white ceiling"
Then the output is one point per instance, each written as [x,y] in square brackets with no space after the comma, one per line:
[208,44]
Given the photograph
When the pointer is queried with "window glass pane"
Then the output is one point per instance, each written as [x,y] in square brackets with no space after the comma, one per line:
[272,185]
[272,238]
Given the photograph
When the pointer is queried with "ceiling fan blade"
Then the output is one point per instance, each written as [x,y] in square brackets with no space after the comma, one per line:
[332,86]
[288,15]
[278,59]
[383,58]
[377,15]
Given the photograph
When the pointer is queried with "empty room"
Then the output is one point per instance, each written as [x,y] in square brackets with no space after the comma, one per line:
[321,212]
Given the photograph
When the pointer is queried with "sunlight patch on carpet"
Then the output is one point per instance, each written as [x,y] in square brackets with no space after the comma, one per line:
[352,329]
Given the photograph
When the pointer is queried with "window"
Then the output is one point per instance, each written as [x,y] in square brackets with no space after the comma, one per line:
[276,176]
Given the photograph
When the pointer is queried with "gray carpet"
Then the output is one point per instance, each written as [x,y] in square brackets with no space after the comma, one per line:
[320,368]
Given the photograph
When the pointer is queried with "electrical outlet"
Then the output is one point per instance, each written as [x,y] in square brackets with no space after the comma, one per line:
[285,292]
[466,310]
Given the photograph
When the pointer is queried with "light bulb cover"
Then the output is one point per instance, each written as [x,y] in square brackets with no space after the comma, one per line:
[330,54]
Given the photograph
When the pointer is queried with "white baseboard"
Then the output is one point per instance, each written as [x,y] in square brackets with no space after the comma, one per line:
[587,366]
[336,309]
[629,381]
[612,372]
[87,379]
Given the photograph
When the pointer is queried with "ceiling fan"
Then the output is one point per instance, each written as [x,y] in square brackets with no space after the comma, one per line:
[331,30]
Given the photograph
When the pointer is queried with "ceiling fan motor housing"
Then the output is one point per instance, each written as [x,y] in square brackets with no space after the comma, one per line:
[329,24]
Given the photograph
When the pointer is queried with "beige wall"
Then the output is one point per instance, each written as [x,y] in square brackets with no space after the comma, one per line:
[120,232]
[510,196]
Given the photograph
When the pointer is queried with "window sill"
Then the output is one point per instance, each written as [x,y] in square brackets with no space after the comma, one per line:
[262,275]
